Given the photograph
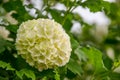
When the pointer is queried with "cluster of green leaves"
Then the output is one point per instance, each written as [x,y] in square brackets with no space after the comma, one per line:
[88,61]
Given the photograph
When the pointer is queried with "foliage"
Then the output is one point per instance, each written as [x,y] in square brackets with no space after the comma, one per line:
[89,57]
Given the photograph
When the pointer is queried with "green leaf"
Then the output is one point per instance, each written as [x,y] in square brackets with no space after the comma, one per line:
[97,5]
[94,57]
[74,42]
[3,44]
[6,66]
[44,78]
[108,62]
[12,28]
[67,25]
[80,54]
[74,66]
[28,73]
[2,49]
[56,15]
[114,76]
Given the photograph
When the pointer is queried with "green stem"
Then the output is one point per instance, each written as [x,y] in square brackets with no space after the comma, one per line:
[67,12]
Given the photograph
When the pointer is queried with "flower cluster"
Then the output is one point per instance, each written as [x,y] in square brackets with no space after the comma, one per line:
[43,43]
[4,33]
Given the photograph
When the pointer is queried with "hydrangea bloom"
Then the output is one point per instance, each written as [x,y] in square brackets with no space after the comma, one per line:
[43,43]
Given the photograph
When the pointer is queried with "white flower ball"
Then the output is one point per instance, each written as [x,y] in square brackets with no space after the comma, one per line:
[43,43]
